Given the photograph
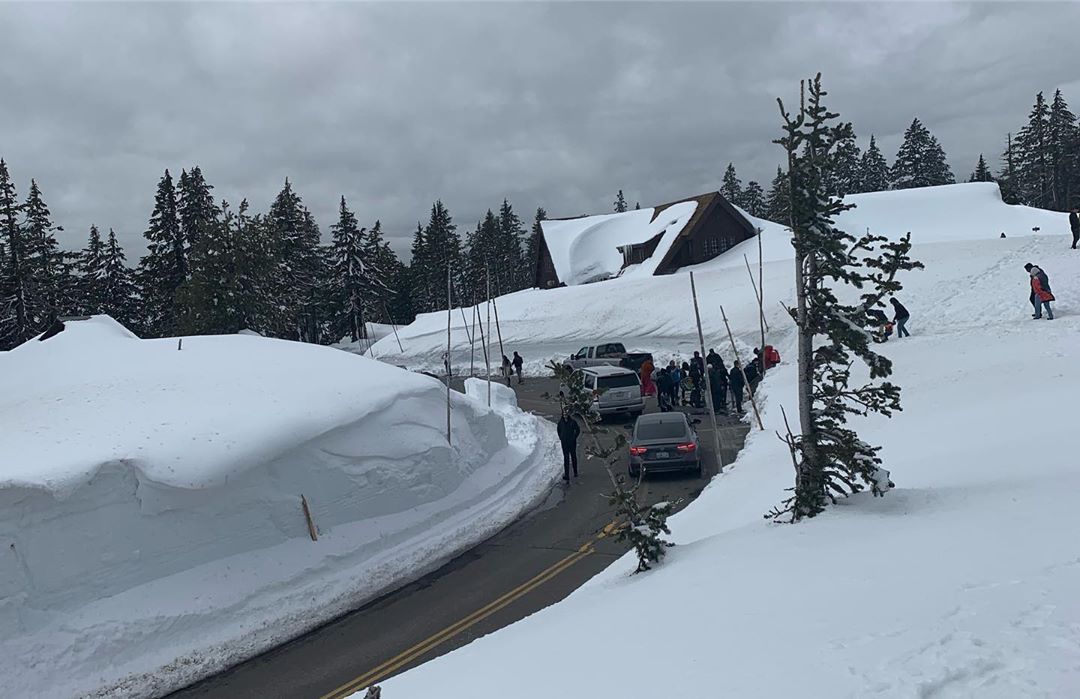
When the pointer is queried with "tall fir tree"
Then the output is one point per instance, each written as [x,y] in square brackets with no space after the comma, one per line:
[754,199]
[444,253]
[52,285]
[350,275]
[509,261]
[844,174]
[197,212]
[208,301]
[301,266]
[920,162]
[16,324]
[91,268]
[731,186]
[982,171]
[532,247]
[256,269]
[1008,178]
[620,203]
[1064,135]
[1035,157]
[382,262]
[422,294]
[117,284]
[778,201]
[165,266]
[830,458]
[873,169]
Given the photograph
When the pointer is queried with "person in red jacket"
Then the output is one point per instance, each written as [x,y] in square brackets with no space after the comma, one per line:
[1041,296]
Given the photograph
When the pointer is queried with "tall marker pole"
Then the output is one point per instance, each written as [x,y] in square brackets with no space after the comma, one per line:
[449,316]
[761,296]
[472,341]
[708,381]
[487,354]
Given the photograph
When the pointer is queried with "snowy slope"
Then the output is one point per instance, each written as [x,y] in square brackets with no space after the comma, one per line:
[960,583]
[654,314]
[150,498]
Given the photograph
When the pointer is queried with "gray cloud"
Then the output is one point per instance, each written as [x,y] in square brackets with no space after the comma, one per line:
[394,105]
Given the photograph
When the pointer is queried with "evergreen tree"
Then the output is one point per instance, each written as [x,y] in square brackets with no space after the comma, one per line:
[508,265]
[91,267]
[920,162]
[1035,157]
[873,170]
[300,267]
[444,252]
[830,459]
[51,284]
[1008,179]
[532,248]
[165,266]
[731,187]
[754,199]
[483,258]
[349,274]
[208,302]
[1064,136]
[117,285]
[399,306]
[382,262]
[778,202]
[16,324]
[620,203]
[197,212]
[422,293]
[982,172]
[256,269]
[844,174]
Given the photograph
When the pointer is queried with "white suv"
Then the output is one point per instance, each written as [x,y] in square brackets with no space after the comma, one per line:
[615,390]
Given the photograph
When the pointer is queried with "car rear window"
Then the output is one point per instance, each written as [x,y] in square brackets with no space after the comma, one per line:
[661,430]
[619,381]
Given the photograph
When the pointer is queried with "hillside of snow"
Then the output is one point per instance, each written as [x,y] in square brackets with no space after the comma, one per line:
[150,498]
[961,582]
[654,313]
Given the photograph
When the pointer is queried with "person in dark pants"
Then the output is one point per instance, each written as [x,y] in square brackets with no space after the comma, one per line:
[736,382]
[568,430]
[1074,224]
[518,363]
[1041,296]
[718,380]
[901,318]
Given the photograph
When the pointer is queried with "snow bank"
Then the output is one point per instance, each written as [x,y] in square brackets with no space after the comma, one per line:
[654,313]
[150,498]
[961,582]
[586,249]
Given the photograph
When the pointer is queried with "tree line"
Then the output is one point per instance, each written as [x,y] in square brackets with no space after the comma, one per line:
[211,268]
[1040,166]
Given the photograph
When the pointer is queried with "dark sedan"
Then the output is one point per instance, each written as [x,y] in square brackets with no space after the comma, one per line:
[664,442]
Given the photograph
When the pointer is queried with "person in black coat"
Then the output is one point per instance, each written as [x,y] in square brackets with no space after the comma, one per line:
[568,430]
[900,318]
[714,359]
[1074,224]
[718,380]
[736,383]
[517,364]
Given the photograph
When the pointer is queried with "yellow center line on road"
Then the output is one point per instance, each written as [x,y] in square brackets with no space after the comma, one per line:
[407,656]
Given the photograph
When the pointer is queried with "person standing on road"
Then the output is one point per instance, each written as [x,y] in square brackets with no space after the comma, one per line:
[648,388]
[1074,224]
[568,430]
[518,363]
[736,382]
[663,389]
[1041,296]
[718,380]
[713,359]
[900,318]
[506,369]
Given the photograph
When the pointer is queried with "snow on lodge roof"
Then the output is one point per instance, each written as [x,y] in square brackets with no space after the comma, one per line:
[657,240]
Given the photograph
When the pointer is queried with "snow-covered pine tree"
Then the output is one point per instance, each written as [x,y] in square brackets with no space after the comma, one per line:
[510,263]
[778,201]
[873,170]
[844,175]
[208,302]
[830,458]
[754,199]
[1008,179]
[91,268]
[444,247]
[982,171]
[920,162]
[301,266]
[197,211]
[620,203]
[1064,138]
[420,280]
[731,187]
[51,282]
[255,268]
[348,274]
[15,286]
[118,298]
[1035,158]
[381,261]
[532,247]
[165,266]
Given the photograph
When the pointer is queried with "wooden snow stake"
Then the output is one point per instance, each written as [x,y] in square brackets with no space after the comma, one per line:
[307,515]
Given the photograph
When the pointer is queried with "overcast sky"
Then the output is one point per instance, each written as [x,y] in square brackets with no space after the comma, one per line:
[559,105]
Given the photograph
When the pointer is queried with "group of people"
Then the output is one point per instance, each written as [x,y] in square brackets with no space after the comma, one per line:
[1040,296]
[883,326]
[510,367]
[685,384]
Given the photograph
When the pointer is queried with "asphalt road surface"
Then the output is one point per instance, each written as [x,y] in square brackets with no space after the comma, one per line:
[531,564]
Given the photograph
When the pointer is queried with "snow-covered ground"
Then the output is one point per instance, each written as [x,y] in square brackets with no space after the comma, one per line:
[150,498]
[961,582]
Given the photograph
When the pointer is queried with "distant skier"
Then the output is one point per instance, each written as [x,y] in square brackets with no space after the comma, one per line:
[1074,224]
[900,318]
[568,430]
[1041,296]
[736,382]
[518,363]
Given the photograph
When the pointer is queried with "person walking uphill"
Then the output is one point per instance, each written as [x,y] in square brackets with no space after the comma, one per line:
[901,318]
[568,430]
[518,363]
[1041,295]
[1074,224]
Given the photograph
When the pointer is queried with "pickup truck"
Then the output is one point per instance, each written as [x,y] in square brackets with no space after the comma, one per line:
[609,354]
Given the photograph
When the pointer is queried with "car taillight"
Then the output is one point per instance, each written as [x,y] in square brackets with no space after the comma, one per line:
[685,448]
[637,451]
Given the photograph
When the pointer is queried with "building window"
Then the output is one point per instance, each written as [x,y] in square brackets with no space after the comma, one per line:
[715,246]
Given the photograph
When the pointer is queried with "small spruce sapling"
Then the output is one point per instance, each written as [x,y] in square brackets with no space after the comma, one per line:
[644,524]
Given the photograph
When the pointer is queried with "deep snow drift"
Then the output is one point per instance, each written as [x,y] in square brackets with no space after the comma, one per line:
[150,498]
[961,582]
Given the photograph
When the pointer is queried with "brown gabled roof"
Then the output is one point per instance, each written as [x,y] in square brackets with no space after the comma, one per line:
[705,204]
